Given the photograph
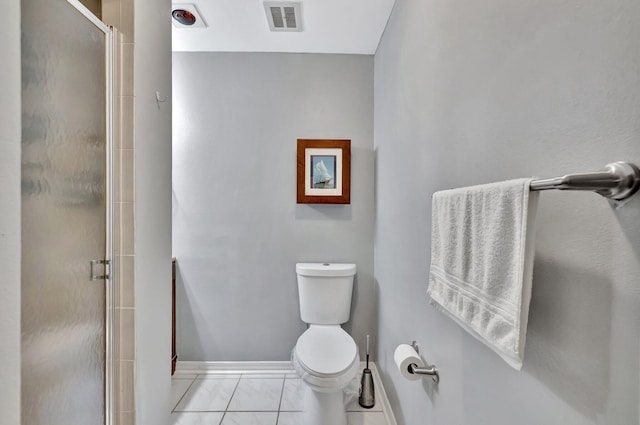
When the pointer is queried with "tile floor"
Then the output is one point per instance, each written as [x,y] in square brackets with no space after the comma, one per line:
[250,399]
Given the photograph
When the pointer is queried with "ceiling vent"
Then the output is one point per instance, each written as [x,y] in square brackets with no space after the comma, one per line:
[184,13]
[284,16]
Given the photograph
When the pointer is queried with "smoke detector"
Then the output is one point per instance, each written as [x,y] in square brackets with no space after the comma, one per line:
[284,16]
[187,15]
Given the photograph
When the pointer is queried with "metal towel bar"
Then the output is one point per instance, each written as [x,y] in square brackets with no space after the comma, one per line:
[618,181]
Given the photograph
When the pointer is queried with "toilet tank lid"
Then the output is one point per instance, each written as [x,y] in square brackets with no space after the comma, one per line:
[325,269]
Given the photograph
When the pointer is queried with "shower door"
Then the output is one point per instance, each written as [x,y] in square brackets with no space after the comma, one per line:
[66,146]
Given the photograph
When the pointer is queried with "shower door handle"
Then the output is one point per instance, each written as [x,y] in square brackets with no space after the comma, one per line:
[92,274]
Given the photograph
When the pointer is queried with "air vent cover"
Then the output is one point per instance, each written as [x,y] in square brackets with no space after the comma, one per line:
[284,16]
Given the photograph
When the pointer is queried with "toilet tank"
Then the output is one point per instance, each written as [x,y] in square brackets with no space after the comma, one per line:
[324,291]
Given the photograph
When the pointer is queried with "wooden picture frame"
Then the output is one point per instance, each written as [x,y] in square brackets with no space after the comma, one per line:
[324,171]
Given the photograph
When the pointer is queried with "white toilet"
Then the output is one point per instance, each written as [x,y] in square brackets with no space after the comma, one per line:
[325,356]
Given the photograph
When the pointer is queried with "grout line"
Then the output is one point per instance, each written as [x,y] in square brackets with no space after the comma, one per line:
[232,394]
[284,379]
[231,398]
[173,409]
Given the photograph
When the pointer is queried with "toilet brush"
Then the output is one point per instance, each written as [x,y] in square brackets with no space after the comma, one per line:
[367,393]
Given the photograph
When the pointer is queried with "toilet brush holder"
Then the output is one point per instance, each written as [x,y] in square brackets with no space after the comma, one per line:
[367,397]
[367,392]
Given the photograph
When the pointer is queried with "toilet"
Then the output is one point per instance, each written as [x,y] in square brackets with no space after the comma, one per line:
[325,356]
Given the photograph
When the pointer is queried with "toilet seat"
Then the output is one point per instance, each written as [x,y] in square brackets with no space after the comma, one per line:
[325,351]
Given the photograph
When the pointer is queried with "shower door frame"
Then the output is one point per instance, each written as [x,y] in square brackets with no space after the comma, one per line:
[110,269]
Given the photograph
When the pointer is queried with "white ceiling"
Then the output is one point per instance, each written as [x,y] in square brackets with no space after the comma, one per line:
[330,26]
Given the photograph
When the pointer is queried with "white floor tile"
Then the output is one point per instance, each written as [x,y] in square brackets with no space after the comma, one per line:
[293,395]
[178,388]
[291,418]
[208,395]
[252,398]
[366,418]
[257,395]
[196,418]
[250,418]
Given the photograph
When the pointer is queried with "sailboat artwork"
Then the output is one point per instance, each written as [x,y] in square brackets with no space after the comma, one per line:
[323,171]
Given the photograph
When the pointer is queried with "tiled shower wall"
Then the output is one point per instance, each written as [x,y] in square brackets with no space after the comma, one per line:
[120,14]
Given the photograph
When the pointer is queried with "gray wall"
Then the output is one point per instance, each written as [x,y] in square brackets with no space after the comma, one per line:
[152,72]
[237,230]
[10,134]
[468,92]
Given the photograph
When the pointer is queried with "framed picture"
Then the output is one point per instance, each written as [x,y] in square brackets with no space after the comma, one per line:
[324,171]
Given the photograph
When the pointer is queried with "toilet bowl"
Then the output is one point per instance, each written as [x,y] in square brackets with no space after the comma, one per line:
[326,359]
[325,356]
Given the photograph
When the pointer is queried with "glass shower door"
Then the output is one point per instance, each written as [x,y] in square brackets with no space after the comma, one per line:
[64,214]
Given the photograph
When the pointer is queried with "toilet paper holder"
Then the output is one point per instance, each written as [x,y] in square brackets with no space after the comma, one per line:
[430,370]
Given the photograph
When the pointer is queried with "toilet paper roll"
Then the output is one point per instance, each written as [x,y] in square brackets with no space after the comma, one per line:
[404,356]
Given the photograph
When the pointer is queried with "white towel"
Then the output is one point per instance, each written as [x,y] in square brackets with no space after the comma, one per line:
[482,260]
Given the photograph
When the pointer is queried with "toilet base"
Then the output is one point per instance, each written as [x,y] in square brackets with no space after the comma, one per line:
[322,408]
